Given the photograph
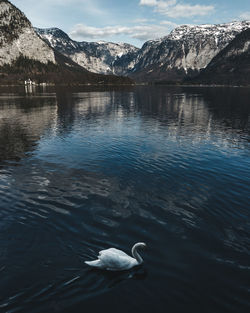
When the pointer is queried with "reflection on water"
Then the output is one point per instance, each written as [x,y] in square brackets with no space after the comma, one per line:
[22,122]
[82,170]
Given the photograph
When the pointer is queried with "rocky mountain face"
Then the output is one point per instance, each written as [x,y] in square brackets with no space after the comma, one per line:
[18,38]
[24,54]
[184,52]
[97,57]
[231,65]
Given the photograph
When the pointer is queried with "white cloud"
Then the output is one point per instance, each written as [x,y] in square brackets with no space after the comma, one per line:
[140,32]
[187,10]
[245,16]
[148,2]
[171,24]
[175,9]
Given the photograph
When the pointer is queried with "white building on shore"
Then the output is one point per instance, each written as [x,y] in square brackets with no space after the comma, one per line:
[29,82]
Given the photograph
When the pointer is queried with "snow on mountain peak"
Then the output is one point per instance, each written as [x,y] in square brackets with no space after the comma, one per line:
[5,6]
[98,57]
[187,49]
[18,38]
[208,30]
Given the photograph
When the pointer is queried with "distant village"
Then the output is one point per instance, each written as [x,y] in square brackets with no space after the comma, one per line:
[29,82]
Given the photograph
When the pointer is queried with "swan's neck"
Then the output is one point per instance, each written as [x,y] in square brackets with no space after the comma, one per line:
[135,254]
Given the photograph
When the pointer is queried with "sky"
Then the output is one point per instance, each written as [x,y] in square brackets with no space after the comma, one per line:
[131,21]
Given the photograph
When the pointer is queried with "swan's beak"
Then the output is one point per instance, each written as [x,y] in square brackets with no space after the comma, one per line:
[141,245]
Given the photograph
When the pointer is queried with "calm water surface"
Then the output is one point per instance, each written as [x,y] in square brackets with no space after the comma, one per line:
[82,171]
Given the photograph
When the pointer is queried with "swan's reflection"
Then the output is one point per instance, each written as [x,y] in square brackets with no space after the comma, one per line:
[113,279]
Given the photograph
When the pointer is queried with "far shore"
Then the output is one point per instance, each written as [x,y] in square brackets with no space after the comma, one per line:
[135,84]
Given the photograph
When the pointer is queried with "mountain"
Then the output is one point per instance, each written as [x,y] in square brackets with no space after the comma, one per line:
[18,38]
[181,54]
[231,65]
[23,55]
[49,55]
[98,57]
[184,52]
[65,72]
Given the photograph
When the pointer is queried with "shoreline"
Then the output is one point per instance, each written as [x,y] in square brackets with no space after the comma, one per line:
[44,85]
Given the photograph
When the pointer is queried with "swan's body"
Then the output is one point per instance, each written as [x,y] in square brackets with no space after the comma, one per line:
[116,260]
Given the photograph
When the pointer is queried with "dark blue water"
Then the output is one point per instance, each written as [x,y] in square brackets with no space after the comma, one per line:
[81,171]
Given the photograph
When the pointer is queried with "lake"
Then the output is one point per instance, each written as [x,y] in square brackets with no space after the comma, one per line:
[83,170]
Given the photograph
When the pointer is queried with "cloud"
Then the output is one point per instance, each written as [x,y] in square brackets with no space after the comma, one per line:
[148,2]
[245,16]
[140,32]
[142,20]
[175,9]
[171,24]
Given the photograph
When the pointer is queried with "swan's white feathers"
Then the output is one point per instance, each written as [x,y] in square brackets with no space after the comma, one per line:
[114,251]
[116,260]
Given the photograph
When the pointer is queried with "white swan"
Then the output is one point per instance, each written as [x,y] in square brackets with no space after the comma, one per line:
[116,260]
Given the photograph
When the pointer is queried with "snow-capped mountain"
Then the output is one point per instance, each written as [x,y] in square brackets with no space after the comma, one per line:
[24,54]
[18,38]
[184,52]
[231,65]
[98,57]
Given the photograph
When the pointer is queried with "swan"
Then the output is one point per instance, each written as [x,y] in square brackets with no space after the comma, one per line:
[116,260]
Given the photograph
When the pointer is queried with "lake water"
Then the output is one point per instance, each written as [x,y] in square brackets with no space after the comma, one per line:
[82,170]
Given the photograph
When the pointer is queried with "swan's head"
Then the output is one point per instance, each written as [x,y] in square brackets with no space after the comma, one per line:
[140,245]
[135,253]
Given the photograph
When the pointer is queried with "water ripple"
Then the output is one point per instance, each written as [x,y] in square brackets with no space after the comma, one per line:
[81,172]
